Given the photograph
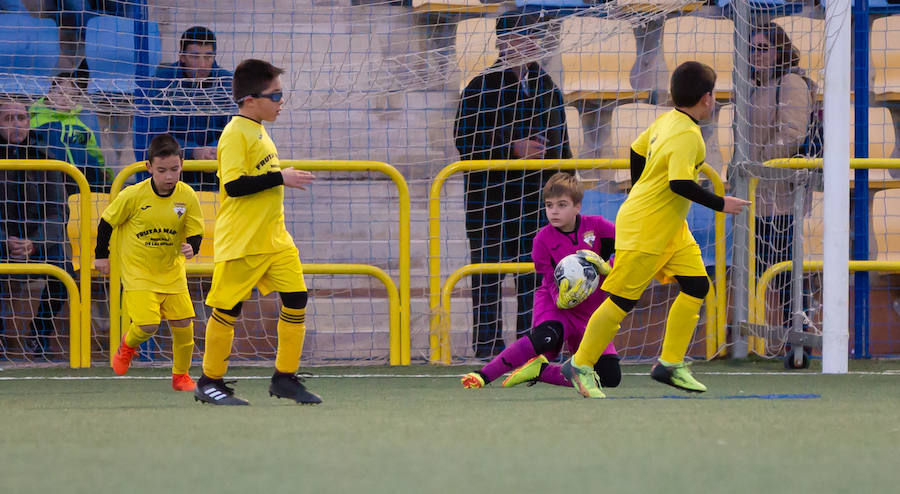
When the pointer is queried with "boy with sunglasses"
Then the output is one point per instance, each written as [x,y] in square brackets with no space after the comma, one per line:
[252,245]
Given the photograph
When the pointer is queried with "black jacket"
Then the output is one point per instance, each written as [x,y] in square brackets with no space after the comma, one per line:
[32,206]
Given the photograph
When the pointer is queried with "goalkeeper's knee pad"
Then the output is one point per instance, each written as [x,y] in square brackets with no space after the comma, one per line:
[547,337]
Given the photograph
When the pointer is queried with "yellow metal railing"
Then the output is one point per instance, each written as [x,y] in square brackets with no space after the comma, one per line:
[759,304]
[77,339]
[440,322]
[80,348]
[399,307]
[397,350]
[756,286]
[712,346]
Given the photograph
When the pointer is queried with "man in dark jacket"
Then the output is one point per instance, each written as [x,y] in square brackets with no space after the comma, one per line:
[513,110]
[190,100]
[33,214]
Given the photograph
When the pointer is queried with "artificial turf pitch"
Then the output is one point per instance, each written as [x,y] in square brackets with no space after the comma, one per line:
[391,430]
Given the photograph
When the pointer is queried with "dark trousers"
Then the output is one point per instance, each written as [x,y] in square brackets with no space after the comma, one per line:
[503,215]
[774,244]
[42,326]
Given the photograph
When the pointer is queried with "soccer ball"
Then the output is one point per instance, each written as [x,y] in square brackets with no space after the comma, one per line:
[574,267]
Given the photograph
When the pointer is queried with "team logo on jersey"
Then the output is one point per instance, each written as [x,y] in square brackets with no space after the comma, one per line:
[179,209]
[589,237]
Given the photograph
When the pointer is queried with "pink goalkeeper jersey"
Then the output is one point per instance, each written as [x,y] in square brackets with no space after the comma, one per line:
[551,245]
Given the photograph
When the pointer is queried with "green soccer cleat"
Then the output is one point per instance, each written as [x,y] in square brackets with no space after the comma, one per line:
[528,373]
[583,378]
[677,376]
[472,380]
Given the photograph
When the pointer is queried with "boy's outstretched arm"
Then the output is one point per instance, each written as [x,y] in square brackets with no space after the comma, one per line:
[694,192]
[247,184]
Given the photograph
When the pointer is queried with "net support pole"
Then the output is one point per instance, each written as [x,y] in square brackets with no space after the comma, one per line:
[740,180]
[860,199]
[835,297]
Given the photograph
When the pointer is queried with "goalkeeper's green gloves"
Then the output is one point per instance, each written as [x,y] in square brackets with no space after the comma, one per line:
[603,267]
[569,297]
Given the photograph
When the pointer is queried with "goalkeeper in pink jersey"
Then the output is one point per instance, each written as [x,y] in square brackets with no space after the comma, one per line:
[568,233]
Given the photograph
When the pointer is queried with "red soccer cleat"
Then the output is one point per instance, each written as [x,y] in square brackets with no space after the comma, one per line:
[183,382]
[122,359]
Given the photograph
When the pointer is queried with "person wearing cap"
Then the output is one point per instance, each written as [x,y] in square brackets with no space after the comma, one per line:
[513,110]
[189,99]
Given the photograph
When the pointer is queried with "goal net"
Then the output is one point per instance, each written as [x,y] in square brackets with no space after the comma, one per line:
[387,81]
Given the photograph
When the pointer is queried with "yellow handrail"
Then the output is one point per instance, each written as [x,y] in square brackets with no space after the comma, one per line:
[403,355]
[83,345]
[397,342]
[762,284]
[757,344]
[76,343]
[528,267]
[855,163]
[438,353]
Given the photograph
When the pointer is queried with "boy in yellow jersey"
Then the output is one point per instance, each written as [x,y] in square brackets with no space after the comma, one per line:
[252,246]
[160,225]
[652,235]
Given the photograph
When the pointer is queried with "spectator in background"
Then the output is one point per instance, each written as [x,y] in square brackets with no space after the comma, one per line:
[193,97]
[780,107]
[513,110]
[33,215]
[67,133]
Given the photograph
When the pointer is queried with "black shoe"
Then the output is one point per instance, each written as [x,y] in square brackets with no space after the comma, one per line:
[216,392]
[286,385]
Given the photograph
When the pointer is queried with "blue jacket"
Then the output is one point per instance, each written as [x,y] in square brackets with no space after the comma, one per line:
[194,113]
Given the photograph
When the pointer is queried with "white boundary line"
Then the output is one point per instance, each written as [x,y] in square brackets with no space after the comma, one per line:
[410,376]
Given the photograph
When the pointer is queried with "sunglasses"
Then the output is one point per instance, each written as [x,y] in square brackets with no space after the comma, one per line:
[275,97]
[759,48]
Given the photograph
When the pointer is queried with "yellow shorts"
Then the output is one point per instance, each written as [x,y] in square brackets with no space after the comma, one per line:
[147,308]
[233,280]
[634,270]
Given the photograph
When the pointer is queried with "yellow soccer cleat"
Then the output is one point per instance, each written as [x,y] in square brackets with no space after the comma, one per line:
[677,376]
[472,380]
[583,378]
[529,372]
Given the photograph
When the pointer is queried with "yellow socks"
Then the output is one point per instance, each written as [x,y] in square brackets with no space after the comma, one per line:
[135,336]
[601,329]
[291,331]
[219,336]
[680,325]
[182,348]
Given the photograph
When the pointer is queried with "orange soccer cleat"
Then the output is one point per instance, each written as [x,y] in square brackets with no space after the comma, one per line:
[122,359]
[183,382]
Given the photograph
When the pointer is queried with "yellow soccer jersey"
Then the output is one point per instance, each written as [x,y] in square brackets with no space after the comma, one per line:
[653,215]
[251,224]
[150,231]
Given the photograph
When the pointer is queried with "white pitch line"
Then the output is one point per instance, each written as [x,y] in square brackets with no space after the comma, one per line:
[410,376]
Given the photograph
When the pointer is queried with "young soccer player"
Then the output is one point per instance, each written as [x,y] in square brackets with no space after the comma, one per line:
[253,247]
[652,236]
[160,225]
[554,324]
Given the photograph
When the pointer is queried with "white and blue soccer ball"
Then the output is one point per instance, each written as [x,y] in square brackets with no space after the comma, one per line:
[575,267]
